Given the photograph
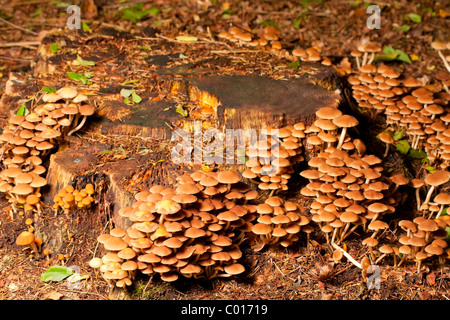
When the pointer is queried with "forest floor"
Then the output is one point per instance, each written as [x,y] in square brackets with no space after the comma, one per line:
[299,272]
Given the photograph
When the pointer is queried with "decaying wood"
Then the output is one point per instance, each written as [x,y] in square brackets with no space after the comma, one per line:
[209,89]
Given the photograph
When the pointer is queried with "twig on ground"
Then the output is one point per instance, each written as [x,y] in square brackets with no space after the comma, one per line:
[19,27]
[348,256]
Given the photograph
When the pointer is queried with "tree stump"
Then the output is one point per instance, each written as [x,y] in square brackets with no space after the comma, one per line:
[175,93]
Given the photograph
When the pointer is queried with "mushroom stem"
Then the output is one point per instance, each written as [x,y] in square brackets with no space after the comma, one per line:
[341,138]
[372,56]
[358,64]
[33,247]
[441,55]
[440,211]
[364,61]
[348,256]
[348,233]
[78,127]
[418,198]
[428,197]
[386,151]
[380,258]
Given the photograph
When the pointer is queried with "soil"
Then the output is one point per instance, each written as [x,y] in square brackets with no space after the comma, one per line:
[305,271]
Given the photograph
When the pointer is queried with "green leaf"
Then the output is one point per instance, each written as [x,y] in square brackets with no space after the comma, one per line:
[136,13]
[146,48]
[448,234]
[227,13]
[399,134]
[297,22]
[294,64]
[61,4]
[402,146]
[48,89]
[182,56]
[431,169]
[135,97]
[129,82]
[85,27]
[404,28]
[181,111]
[84,63]
[126,92]
[23,111]
[414,17]
[417,154]
[389,54]
[269,23]
[186,38]
[79,77]
[36,13]
[56,273]
[55,47]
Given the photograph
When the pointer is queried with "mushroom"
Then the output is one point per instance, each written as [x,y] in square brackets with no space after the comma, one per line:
[386,138]
[439,47]
[27,239]
[434,180]
[84,111]
[344,121]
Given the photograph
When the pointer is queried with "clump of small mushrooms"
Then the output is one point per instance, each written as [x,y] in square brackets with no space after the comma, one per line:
[273,156]
[422,238]
[192,230]
[266,39]
[68,198]
[414,108]
[278,221]
[30,138]
[348,187]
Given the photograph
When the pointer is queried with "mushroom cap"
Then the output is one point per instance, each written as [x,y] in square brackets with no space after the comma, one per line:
[86,110]
[187,188]
[386,249]
[427,225]
[51,97]
[386,137]
[345,121]
[328,113]
[167,206]
[234,269]
[228,177]
[377,225]
[25,238]
[261,229]
[115,244]
[437,178]
[22,189]
[67,93]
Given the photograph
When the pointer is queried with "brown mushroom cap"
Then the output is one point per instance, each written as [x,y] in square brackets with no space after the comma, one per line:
[228,177]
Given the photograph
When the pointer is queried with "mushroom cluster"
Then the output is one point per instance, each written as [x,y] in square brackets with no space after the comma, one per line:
[348,186]
[268,38]
[330,129]
[311,54]
[434,200]
[278,221]
[365,54]
[68,198]
[28,139]
[194,229]
[422,239]
[273,157]
[410,106]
